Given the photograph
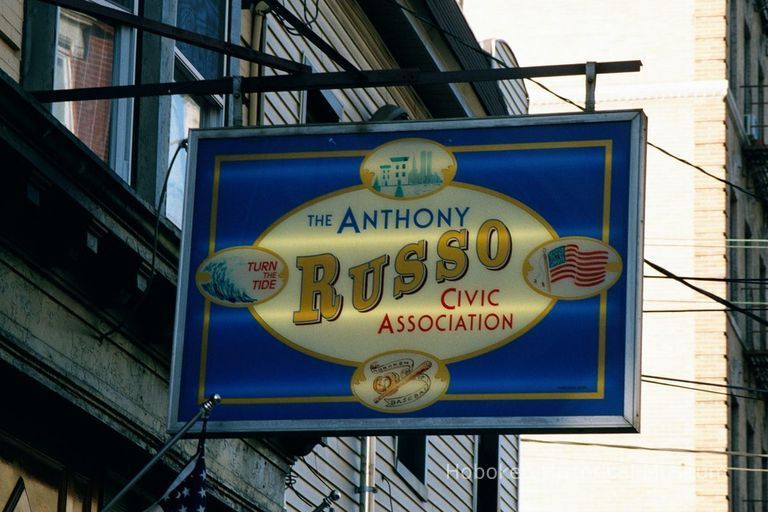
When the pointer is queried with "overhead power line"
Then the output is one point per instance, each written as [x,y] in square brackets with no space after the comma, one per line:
[711,384]
[699,310]
[748,280]
[706,293]
[647,448]
[702,170]
[565,99]
[700,390]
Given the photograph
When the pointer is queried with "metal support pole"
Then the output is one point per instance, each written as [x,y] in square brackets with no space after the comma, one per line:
[209,43]
[237,101]
[205,410]
[591,73]
[367,487]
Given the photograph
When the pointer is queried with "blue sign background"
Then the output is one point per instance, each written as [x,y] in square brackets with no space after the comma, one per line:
[560,355]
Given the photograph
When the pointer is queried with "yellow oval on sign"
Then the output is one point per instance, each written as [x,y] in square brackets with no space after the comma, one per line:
[442,276]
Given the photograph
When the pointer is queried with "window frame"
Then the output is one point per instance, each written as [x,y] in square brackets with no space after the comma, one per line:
[406,473]
[123,73]
[487,455]
[329,97]
[211,115]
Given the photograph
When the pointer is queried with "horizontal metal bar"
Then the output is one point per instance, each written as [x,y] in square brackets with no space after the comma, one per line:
[337,80]
[186,36]
[279,10]
[198,87]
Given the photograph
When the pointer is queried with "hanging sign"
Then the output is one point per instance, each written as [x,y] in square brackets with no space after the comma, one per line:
[437,276]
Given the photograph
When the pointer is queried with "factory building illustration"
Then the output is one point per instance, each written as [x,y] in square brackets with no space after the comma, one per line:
[407,176]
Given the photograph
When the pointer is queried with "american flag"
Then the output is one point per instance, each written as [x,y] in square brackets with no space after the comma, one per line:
[187,492]
[586,268]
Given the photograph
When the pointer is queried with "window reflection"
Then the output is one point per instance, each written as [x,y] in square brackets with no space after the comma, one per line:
[204,17]
[84,56]
[185,115]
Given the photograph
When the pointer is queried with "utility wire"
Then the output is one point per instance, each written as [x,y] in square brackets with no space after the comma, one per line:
[182,144]
[701,310]
[648,448]
[291,478]
[748,280]
[706,293]
[320,476]
[503,64]
[556,95]
[701,169]
[308,19]
[669,384]
[712,384]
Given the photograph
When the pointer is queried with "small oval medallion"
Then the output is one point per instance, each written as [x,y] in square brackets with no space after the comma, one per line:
[400,381]
[572,268]
[241,276]
[408,169]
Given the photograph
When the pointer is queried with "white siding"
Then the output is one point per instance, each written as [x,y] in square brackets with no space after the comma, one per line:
[344,27]
[509,464]
[10,36]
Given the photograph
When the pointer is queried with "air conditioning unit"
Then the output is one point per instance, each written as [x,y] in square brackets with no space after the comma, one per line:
[751,127]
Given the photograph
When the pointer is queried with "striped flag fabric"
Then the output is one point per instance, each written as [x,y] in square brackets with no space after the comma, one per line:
[187,492]
[585,268]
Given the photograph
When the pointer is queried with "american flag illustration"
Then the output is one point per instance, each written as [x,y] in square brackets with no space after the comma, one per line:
[585,268]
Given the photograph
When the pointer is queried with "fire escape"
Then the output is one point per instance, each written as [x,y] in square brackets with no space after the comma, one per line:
[755,158]
[755,154]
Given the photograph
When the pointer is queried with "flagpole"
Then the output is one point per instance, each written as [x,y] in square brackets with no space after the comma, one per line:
[205,410]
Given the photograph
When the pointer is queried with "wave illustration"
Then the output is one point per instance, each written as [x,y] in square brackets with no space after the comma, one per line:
[221,285]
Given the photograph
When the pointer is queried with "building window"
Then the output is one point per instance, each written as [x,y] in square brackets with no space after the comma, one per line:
[763,300]
[411,462]
[733,233]
[748,296]
[322,107]
[764,465]
[185,115]
[92,53]
[319,106]
[747,74]
[753,483]
[487,474]
[735,460]
[32,482]
[733,45]
[760,105]
[205,17]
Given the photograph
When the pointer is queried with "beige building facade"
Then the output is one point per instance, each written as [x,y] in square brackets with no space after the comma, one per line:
[703,61]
